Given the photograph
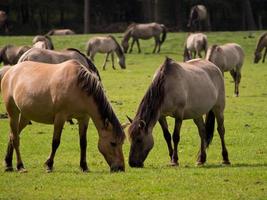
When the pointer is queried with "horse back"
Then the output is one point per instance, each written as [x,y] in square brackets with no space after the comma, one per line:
[234,56]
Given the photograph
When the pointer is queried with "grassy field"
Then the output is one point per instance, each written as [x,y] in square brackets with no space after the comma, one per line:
[245,123]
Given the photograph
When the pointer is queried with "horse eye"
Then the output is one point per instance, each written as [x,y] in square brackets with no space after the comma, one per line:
[113,144]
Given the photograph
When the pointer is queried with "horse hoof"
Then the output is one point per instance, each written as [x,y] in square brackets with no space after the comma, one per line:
[200,164]
[85,170]
[22,170]
[226,162]
[174,164]
[9,169]
[49,170]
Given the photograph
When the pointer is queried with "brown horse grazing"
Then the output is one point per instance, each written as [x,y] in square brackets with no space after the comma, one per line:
[228,57]
[144,31]
[107,45]
[55,57]
[61,32]
[199,18]
[44,38]
[53,93]
[262,43]
[195,43]
[182,91]
[3,21]
[10,54]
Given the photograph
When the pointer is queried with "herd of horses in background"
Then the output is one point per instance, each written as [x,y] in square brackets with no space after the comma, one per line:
[41,84]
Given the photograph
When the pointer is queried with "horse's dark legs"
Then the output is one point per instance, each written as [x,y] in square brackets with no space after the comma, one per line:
[112,58]
[195,53]
[221,130]
[237,77]
[8,158]
[167,135]
[199,54]
[58,126]
[176,139]
[105,62]
[264,55]
[138,46]
[202,133]
[155,47]
[131,48]
[83,125]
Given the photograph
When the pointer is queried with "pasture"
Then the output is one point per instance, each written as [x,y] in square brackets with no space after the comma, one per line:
[245,124]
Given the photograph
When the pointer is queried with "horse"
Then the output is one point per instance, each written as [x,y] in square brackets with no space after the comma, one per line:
[175,91]
[195,43]
[198,18]
[228,57]
[107,45]
[44,38]
[262,43]
[53,93]
[10,54]
[60,32]
[55,57]
[144,31]
[4,21]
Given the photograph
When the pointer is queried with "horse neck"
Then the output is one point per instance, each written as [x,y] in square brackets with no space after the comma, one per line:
[127,35]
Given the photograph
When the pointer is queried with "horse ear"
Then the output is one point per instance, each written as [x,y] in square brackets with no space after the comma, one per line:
[142,124]
[125,125]
[130,120]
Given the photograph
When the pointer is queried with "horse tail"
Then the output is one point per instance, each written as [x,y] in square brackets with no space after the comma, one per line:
[209,126]
[164,33]
[91,67]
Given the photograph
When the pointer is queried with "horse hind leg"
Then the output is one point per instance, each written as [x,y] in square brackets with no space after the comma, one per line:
[138,46]
[176,139]
[58,126]
[236,74]
[105,62]
[155,47]
[167,135]
[83,125]
[264,55]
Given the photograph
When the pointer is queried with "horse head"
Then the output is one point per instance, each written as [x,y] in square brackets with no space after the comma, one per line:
[257,56]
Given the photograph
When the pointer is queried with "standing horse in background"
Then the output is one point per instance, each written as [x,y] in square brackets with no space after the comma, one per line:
[262,43]
[56,57]
[175,92]
[228,57]
[10,54]
[53,93]
[46,41]
[61,32]
[199,18]
[144,31]
[195,43]
[107,45]
[3,21]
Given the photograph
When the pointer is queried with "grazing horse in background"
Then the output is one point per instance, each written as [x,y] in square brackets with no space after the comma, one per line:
[55,57]
[175,91]
[262,43]
[107,45]
[199,18]
[53,93]
[3,21]
[61,32]
[44,38]
[10,54]
[195,43]
[228,57]
[144,31]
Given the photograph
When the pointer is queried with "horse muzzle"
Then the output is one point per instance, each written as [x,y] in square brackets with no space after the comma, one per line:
[136,164]
[117,169]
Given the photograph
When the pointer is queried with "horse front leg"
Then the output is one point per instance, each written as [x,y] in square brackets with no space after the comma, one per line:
[105,62]
[264,55]
[176,139]
[164,126]
[58,126]
[202,133]
[112,58]
[138,46]
[83,125]
[156,44]
[131,48]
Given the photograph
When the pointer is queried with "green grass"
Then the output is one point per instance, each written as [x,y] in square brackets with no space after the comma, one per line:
[245,123]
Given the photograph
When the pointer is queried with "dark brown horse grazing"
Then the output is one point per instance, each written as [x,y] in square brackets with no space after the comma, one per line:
[3,21]
[182,91]
[53,93]
[10,54]
[262,43]
[44,38]
[199,18]
[144,31]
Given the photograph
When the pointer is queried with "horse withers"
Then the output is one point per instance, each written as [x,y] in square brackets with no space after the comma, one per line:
[53,93]
[195,43]
[107,45]
[262,43]
[182,91]
[228,57]
[144,31]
